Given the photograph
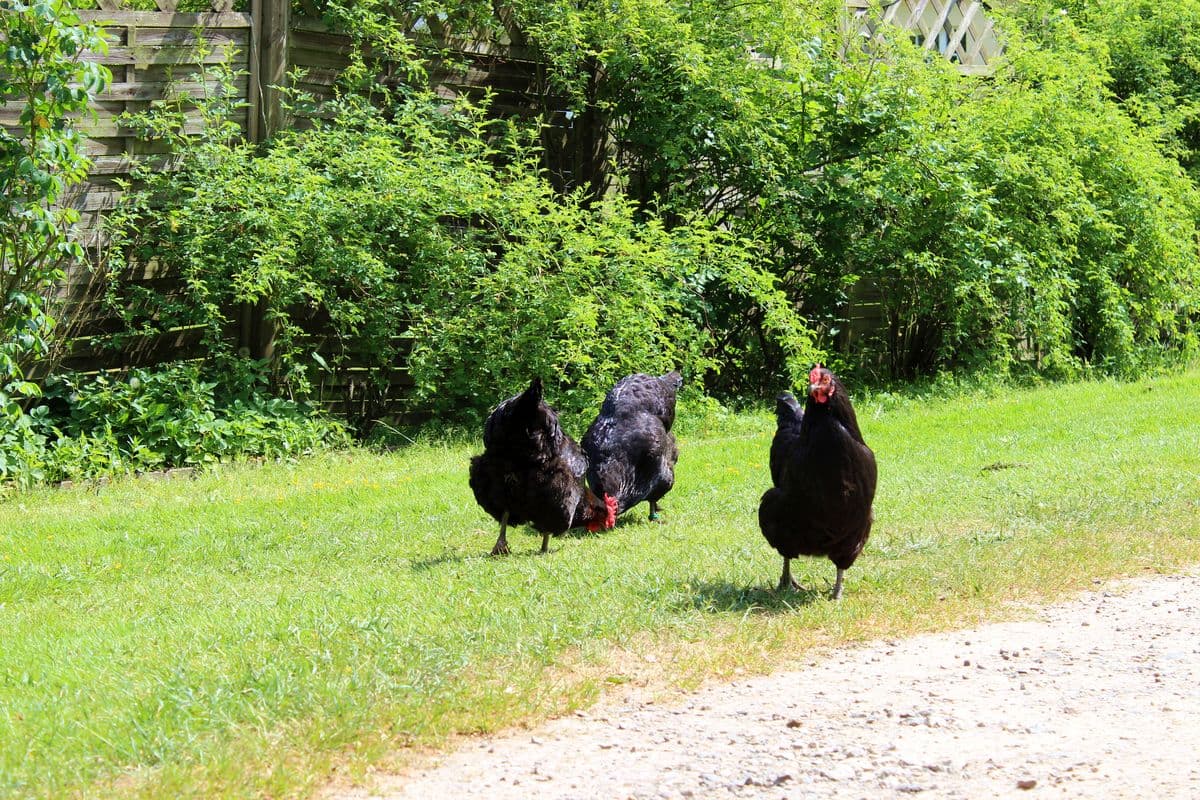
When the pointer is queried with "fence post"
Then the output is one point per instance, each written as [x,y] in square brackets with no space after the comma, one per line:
[254,85]
[273,64]
[271,21]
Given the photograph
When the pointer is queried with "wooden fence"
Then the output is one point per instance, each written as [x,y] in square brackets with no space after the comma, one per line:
[167,50]
[959,30]
[151,52]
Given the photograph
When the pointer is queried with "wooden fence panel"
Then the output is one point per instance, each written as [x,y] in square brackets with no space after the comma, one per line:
[150,54]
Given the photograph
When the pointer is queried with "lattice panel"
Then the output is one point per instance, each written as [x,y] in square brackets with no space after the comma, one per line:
[958,29]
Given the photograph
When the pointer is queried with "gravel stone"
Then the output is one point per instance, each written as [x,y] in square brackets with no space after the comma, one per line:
[1104,708]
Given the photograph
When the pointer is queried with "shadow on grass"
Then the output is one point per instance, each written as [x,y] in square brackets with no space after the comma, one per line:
[516,539]
[483,555]
[722,597]
[639,522]
[426,564]
[520,546]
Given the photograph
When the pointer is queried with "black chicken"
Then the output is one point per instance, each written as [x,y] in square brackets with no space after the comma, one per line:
[630,448]
[531,472]
[824,476]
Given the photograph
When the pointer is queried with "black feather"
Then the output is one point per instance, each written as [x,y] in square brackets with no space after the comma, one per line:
[788,416]
[824,476]
[630,448]
[531,469]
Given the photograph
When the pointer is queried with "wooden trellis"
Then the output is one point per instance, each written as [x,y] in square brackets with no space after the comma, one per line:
[958,29]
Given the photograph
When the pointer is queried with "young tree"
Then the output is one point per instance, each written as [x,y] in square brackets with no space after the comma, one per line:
[42,70]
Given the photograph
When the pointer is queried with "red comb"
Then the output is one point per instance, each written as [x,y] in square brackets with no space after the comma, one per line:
[814,374]
[610,503]
[610,516]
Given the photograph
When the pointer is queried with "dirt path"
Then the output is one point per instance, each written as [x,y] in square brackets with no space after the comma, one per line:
[1098,698]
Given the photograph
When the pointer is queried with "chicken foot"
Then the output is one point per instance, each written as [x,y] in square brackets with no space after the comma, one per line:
[837,585]
[653,510]
[786,581]
[501,548]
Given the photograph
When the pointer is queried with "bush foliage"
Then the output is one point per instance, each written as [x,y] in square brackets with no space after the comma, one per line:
[1034,220]
[766,176]
[1026,221]
[44,75]
[429,239]
[144,420]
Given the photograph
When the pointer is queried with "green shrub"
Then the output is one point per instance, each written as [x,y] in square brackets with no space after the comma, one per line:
[426,238]
[1020,222]
[105,425]
[585,296]
[768,166]
[1151,55]
[1096,223]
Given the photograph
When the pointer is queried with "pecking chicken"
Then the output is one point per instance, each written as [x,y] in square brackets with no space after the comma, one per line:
[824,480]
[531,472]
[630,448]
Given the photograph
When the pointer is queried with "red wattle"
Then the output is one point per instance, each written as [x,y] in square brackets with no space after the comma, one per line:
[610,516]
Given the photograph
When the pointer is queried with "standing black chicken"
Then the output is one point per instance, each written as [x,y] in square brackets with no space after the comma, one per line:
[531,472]
[824,476]
[630,448]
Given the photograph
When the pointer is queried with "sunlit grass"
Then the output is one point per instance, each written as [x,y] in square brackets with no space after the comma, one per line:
[247,632]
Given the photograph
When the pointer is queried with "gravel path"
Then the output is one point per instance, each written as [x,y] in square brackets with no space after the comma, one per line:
[1098,698]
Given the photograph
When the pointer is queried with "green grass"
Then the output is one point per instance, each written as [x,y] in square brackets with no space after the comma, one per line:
[250,632]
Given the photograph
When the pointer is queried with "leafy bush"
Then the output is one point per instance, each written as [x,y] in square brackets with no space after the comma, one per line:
[585,296]
[1095,226]
[1022,222]
[153,419]
[1151,55]
[425,237]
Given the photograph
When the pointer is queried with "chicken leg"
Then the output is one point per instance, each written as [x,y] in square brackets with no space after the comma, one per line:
[837,585]
[501,548]
[545,543]
[786,581]
[653,510]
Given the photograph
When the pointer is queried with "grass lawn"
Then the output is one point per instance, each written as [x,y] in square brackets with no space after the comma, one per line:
[248,632]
